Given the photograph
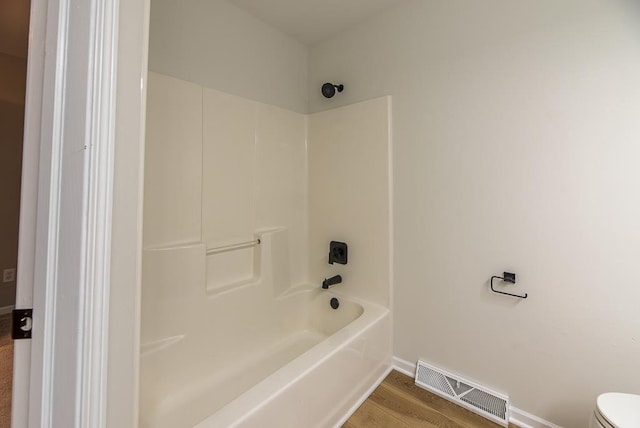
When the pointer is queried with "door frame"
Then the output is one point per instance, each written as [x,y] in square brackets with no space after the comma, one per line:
[28,208]
[81,214]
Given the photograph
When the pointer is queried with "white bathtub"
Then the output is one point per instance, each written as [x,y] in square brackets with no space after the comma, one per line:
[304,365]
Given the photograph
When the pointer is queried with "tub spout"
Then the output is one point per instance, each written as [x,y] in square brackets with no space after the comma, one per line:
[328,282]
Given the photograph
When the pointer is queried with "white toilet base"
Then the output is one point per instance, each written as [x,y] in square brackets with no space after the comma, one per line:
[594,423]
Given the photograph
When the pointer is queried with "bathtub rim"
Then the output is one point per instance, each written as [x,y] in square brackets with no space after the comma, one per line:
[263,392]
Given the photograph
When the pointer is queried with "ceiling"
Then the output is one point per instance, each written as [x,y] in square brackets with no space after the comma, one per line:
[310,21]
[14,27]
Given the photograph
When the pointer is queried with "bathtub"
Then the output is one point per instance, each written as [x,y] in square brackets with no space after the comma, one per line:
[303,365]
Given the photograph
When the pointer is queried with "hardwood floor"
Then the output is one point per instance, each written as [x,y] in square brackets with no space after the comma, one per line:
[397,402]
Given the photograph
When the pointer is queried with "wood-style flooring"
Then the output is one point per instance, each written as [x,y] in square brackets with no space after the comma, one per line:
[398,402]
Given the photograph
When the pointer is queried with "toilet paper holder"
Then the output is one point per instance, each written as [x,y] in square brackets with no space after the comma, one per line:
[511,279]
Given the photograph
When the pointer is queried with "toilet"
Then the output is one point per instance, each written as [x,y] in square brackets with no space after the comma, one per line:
[616,410]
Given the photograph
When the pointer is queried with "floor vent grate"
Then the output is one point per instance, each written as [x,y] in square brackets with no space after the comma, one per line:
[478,399]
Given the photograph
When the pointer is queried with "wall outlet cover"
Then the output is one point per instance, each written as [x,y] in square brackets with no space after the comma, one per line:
[9,275]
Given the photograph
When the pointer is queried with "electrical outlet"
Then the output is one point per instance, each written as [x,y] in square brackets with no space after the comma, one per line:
[9,275]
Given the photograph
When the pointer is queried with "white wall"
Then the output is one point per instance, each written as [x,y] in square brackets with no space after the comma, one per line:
[218,45]
[515,129]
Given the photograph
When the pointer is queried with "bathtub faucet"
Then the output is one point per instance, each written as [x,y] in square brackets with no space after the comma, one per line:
[328,282]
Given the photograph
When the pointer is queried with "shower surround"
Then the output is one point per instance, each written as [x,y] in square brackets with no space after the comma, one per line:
[236,335]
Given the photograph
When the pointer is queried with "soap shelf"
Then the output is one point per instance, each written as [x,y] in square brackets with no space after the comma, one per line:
[511,279]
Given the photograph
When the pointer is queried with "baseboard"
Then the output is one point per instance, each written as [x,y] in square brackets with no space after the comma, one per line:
[404,367]
[527,420]
[364,397]
[518,417]
[4,310]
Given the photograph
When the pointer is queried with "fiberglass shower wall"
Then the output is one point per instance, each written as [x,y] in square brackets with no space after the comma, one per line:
[219,170]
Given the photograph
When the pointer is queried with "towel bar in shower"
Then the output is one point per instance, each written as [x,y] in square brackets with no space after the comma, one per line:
[231,247]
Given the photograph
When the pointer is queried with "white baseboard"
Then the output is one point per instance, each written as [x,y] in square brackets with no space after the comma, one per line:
[6,310]
[527,420]
[364,397]
[518,417]
[404,367]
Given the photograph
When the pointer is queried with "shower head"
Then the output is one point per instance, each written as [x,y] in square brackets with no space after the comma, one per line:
[329,89]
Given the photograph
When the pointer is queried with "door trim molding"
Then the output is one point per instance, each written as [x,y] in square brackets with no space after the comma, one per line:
[65,230]
[101,127]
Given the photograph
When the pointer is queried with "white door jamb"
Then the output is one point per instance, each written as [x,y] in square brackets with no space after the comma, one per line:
[65,236]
